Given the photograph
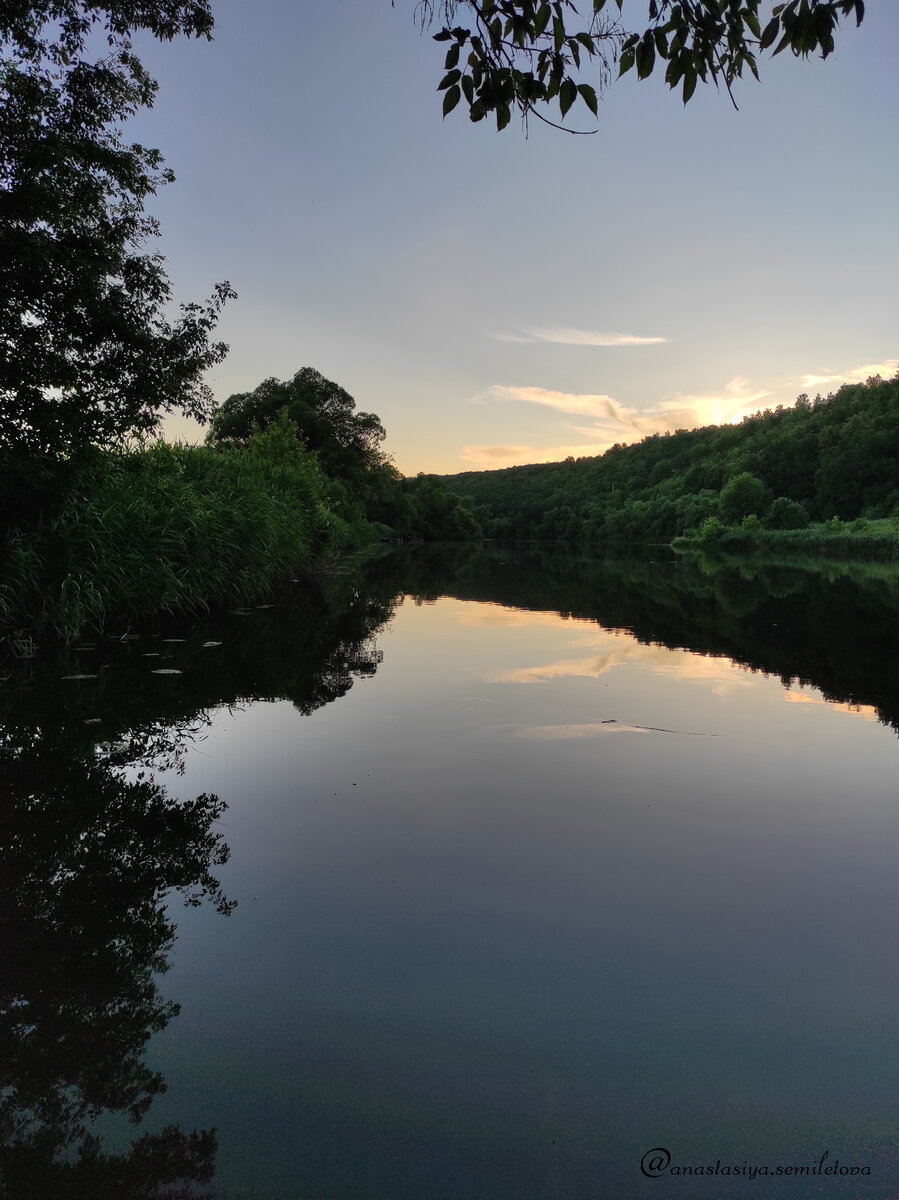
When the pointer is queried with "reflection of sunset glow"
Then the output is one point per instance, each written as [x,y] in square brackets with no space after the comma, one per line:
[581,668]
[860,710]
[616,650]
[597,651]
[476,613]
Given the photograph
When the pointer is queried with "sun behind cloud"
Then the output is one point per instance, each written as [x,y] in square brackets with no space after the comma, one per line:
[609,422]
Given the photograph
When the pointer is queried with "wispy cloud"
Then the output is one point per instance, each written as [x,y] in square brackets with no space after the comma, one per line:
[564,336]
[613,421]
[605,420]
[497,453]
[518,456]
[580,404]
[887,369]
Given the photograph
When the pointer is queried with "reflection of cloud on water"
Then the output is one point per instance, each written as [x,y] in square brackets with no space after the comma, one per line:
[479,613]
[859,710]
[593,729]
[722,672]
[578,668]
[617,650]
[564,733]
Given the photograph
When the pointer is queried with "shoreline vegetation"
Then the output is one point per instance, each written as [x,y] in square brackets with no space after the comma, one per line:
[856,541]
[292,478]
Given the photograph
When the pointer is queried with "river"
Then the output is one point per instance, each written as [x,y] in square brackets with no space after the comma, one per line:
[517,874]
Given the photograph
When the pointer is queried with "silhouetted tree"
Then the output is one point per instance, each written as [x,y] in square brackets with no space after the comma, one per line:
[88,353]
[347,442]
[526,54]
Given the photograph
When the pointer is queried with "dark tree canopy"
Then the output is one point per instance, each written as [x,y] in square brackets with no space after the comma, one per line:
[525,54]
[88,353]
[347,442]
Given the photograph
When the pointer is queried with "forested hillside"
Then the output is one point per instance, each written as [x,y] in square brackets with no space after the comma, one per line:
[833,456]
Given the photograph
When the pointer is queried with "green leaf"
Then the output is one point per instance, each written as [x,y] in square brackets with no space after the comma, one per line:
[451,99]
[646,57]
[503,116]
[627,61]
[448,80]
[588,95]
[443,36]
[674,72]
[689,83]
[452,57]
[771,31]
[567,95]
[468,88]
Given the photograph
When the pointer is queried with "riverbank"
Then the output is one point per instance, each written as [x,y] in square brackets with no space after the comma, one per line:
[856,541]
[170,529]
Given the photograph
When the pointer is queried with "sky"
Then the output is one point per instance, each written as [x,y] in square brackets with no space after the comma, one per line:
[501,298]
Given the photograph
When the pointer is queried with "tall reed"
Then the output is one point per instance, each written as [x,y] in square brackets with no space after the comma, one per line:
[170,528]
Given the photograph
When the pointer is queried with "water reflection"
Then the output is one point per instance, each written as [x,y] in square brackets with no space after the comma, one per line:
[484,948]
[89,858]
[834,629]
[95,849]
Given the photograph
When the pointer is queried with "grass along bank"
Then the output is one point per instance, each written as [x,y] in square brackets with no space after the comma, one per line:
[290,476]
[861,540]
[171,529]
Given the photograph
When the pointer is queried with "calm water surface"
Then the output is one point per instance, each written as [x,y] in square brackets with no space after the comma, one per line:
[543,864]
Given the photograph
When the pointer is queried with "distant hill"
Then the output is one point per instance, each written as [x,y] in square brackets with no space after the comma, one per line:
[833,456]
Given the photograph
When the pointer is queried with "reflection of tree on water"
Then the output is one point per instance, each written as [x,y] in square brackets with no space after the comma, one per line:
[835,631]
[89,858]
[93,847]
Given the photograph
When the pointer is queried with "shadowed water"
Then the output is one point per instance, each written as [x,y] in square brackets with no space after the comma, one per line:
[541,862]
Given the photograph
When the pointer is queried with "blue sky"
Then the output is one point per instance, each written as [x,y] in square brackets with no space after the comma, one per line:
[500,299]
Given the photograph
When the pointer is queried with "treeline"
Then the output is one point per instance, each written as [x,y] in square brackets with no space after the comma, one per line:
[824,458]
[290,475]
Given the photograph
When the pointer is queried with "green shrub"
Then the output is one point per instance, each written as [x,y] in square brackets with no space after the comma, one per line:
[742,495]
[786,514]
[711,530]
